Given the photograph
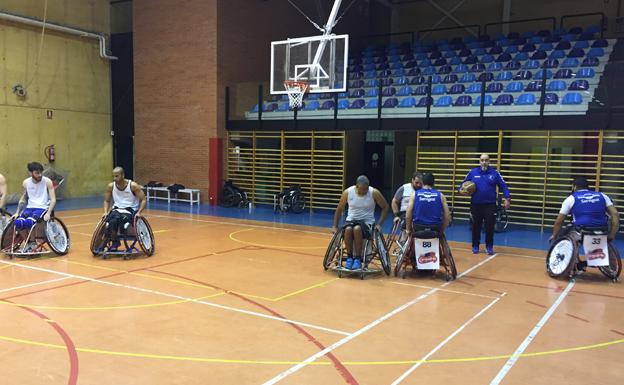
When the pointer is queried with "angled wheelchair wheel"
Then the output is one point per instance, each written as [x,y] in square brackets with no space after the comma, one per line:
[11,240]
[393,236]
[502,220]
[5,218]
[297,203]
[382,252]
[145,236]
[403,259]
[332,255]
[615,264]
[57,236]
[449,261]
[99,240]
[562,257]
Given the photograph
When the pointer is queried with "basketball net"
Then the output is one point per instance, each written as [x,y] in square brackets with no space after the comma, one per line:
[296,89]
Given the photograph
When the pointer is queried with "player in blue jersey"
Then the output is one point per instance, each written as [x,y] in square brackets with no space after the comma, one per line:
[427,208]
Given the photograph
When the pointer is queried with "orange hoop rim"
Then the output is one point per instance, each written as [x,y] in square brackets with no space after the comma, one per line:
[291,84]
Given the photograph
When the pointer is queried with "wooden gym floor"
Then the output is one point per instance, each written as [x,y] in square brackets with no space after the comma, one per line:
[226,301]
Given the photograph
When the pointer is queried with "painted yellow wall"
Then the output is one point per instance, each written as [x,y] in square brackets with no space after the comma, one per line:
[67,77]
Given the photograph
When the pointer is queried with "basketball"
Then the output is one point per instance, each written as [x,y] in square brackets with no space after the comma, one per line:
[468,188]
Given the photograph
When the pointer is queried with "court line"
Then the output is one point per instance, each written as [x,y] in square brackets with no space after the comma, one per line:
[514,357]
[317,363]
[147,305]
[445,341]
[371,325]
[223,307]
[34,284]
[446,290]
[231,236]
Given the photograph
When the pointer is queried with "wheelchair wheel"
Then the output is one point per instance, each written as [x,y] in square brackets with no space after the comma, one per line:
[332,255]
[501,220]
[615,264]
[5,218]
[449,261]
[382,252]
[9,235]
[297,203]
[57,236]
[393,236]
[228,197]
[145,236]
[562,257]
[98,241]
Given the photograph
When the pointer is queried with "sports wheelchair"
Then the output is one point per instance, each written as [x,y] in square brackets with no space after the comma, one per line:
[375,255]
[41,239]
[233,196]
[563,255]
[291,198]
[407,253]
[139,232]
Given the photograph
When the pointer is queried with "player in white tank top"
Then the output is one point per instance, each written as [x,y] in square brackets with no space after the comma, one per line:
[360,218]
[403,194]
[3,191]
[127,199]
[38,197]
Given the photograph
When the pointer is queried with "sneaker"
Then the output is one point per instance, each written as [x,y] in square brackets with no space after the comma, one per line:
[357,264]
[349,264]
[581,266]
[489,250]
[475,249]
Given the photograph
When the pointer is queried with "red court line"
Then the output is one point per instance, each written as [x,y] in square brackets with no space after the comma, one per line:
[617,332]
[71,348]
[118,273]
[556,290]
[537,304]
[577,317]
[344,372]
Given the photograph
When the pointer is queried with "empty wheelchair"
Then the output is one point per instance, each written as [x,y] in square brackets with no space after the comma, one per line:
[426,250]
[137,238]
[375,255]
[233,196]
[562,260]
[291,198]
[41,239]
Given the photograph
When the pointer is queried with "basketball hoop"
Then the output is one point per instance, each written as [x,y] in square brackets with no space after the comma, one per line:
[296,89]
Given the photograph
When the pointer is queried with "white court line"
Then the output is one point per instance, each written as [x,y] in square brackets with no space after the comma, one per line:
[446,290]
[179,297]
[34,284]
[447,339]
[371,325]
[512,360]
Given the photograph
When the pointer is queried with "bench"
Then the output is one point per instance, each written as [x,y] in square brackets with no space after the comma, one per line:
[190,195]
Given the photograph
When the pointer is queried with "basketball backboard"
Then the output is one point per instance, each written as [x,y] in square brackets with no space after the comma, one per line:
[319,60]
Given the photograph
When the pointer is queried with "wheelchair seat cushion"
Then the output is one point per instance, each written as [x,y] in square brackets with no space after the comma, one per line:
[600,230]
[426,234]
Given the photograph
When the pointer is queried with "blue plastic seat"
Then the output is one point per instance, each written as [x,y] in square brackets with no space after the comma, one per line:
[504,76]
[460,69]
[312,106]
[503,58]
[579,85]
[269,107]
[457,89]
[504,100]
[556,85]
[494,88]
[425,101]
[539,74]
[487,101]
[585,73]
[385,82]
[522,56]
[495,67]
[443,101]
[421,90]
[513,65]
[445,69]
[372,83]
[435,79]
[468,78]
[557,55]
[595,52]
[463,101]
[525,100]
[550,63]
[286,106]
[576,52]
[407,102]
[391,103]
[438,89]
[413,71]
[401,81]
[388,91]
[455,61]
[582,44]
[600,43]
[439,62]
[417,80]
[531,65]
[564,73]
[474,88]
[496,50]
[327,105]
[477,67]
[343,104]
[563,45]
[470,60]
[550,98]
[486,76]
[357,93]
[372,93]
[450,78]
[572,98]
[570,62]
[539,55]
[428,71]
[590,62]
[514,87]
[530,47]
[404,91]
[511,49]
[534,86]
[478,51]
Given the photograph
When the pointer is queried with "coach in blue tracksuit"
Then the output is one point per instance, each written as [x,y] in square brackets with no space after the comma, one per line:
[483,202]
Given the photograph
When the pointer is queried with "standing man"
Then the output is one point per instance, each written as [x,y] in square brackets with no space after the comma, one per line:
[483,202]
[128,200]
[362,199]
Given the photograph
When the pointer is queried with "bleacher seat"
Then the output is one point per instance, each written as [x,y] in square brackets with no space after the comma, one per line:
[424,101]
[388,91]
[496,50]
[385,82]
[504,76]
[534,86]
[539,55]
[557,55]
[421,90]
[357,93]
[582,44]
[531,65]
[600,43]
[413,71]
[494,66]
[372,93]
[550,63]
[556,85]
[576,52]
[529,47]
[470,60]
[564,73]
[285,107]
[390,103]
[373,103]
[468,78]
[572,98]
[585,73]
[545,47]
[514,87]
[522,56]
[523,75]
[343,104]
[563,45]
[494,88]
[595,52]
[525,100]
[579,85]
[450,78]
[443,101]
[540,73]
[477,67]
[550,98]
[407,102]
[428,71]
[590,62]
[512,49]
[487,101]
[405,91]
[401,81]
[474,88]
[438,89]
[417,80]
[457,89]
[486,76]
[513,65]
[503,58]
[269,107]
[372,83]
[463,101]
[312,106]
[445,69]
[504,100]
[440,62]
[570,62]
[460,69]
